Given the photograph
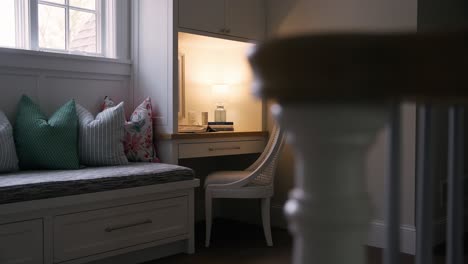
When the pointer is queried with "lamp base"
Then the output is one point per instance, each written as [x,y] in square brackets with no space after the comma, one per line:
[220,114]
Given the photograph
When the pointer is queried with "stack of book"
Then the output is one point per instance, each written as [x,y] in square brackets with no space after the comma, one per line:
[221,126]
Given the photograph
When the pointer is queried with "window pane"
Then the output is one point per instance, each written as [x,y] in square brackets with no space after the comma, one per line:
[7,23]
[51,27]
[88,4]
[83,31]
[55,1]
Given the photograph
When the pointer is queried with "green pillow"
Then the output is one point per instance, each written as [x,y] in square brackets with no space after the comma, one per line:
[43,143]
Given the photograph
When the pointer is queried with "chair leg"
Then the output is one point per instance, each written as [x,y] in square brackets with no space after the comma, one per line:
[208,217]
[266,220]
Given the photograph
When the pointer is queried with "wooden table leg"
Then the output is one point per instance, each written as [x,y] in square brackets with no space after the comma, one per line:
[329,209]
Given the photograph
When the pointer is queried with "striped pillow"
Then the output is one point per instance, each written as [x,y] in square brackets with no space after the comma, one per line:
[100,139]
[8,158]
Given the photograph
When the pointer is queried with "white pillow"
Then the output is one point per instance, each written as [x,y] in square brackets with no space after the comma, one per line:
[8,158]
[100,139]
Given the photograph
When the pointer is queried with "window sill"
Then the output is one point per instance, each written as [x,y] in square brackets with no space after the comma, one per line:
[42,60]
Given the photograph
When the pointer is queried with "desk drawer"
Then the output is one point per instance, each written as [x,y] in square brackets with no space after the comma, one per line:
[208,149]
[92,232]
[21,242]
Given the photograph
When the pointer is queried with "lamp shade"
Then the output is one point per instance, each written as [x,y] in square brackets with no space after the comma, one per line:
[220,92]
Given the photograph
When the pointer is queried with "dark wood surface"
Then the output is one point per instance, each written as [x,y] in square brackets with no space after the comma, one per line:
[239,243]
[429,67]
[235,243]
[223,134]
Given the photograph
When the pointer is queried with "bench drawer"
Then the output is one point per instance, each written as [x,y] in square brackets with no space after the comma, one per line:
[21,242]
[208,149]
[87,233]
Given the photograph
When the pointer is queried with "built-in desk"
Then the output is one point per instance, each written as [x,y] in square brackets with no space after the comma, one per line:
[212,151]
[178,146]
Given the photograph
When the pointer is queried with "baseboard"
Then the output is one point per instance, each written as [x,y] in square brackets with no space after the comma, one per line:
[376,237]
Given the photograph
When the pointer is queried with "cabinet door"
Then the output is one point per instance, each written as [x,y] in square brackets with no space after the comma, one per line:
[21,243]
[103,230]
[203,15]
[246,18]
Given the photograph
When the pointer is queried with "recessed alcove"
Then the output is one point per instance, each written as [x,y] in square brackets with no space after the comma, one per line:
[207,62]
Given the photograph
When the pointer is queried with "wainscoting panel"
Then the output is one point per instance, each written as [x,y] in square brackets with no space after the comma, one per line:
[12,86]
[51,88]
[89,91]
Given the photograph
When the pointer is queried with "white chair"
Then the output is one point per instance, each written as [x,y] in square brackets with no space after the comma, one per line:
[254,182]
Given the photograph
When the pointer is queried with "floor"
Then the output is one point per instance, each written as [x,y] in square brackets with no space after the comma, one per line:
[238,243]
[235,243]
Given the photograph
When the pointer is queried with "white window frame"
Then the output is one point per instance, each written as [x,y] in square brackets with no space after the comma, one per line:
[22,25]
[100,29]
[27,27]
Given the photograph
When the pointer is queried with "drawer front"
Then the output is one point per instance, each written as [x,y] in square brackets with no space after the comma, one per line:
[92,232]
[208,149]
[21,242]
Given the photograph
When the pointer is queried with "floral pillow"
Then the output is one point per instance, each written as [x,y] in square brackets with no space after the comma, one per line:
[138,141]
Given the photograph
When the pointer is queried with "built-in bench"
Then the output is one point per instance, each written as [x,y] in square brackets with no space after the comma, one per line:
[137,212]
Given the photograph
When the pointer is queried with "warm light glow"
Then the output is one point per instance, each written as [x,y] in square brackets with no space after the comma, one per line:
[220,89]
[213,61]
[220,92]
[218,61]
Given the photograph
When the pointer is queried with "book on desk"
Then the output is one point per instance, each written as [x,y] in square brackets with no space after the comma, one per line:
[221,126]
[211,127]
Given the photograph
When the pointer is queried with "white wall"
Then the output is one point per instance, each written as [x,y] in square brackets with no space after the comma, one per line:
[442,15]
[153,52]
[287,17]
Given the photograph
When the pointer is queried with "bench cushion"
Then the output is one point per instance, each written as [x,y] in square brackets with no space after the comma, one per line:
[34,185]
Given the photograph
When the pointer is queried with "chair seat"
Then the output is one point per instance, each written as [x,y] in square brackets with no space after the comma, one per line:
[225,177]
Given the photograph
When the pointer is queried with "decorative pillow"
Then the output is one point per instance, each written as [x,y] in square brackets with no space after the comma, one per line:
[8,158]
[100,138]
[138,142]
[43,143]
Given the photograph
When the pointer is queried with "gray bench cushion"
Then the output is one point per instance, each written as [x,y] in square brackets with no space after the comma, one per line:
[34,185]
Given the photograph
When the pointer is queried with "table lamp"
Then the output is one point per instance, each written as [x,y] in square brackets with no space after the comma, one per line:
[220,92]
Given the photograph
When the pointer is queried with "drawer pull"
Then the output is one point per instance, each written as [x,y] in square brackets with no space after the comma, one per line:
[227,148]
[110,229]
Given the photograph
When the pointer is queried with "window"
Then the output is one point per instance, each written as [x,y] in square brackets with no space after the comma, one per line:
[67,26]
[7,23]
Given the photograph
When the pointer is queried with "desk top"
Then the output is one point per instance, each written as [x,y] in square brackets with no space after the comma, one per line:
[221,134]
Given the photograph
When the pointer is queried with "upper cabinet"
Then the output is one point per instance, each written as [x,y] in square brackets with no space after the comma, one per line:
[203,15]
[246,18]
[237,18]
